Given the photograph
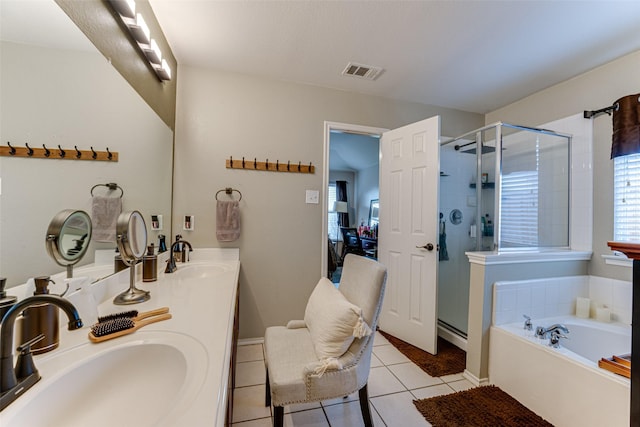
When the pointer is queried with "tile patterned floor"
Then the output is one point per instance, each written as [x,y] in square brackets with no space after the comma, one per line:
[394,382]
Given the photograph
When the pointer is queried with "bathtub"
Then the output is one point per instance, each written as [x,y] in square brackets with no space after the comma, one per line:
[565,385]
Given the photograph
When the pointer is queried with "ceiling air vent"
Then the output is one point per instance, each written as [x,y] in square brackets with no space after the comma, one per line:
[362,71]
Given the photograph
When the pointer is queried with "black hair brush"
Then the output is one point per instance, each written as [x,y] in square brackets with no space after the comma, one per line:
[133,314]
[118,327]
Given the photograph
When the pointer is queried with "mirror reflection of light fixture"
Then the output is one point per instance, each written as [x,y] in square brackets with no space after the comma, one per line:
[338,208]
[142,35]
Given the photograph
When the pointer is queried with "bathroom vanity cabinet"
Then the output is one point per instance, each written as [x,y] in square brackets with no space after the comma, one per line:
[173,372]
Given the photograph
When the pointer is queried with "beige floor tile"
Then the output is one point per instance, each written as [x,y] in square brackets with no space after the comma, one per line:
[433,391]
[249,353]
[262,422]
[382,381]
[412,376]
[349,415]
[452,377]
[248,404]
[463,384]
[378,339]
[312,418]
[250,373]
[375,362]
[389,355]
[398,410]
[301,407]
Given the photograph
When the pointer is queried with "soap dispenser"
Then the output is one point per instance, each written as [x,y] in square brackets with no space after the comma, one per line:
[162,243]
[150,265]
[41,319]
[6,302]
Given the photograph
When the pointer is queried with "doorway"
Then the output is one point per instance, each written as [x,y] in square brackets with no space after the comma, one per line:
[351,155]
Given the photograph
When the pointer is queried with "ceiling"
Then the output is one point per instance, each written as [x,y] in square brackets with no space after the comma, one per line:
[34,22]
[470,55]
[353,152]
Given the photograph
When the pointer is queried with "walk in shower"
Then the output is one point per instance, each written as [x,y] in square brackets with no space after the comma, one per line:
[502,188]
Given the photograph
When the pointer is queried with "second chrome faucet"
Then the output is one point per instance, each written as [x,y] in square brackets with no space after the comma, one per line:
[181,251]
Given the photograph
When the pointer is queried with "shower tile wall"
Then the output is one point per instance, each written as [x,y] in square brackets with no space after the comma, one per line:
[556,296]
[581,205]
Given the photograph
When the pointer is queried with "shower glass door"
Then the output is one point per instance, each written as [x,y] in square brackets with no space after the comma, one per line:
[502,188]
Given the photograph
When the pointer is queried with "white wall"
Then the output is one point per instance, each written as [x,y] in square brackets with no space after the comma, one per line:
[53,96]
[221,115]
[593,90]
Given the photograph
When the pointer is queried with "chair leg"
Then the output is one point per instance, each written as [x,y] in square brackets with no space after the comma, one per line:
[278,416]
[364,406]
[267,394]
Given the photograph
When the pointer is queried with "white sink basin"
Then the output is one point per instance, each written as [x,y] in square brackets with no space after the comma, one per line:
[200,271]
[144,379]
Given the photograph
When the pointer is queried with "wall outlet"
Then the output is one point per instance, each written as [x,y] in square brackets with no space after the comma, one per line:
[312,196]
[156,222]
[188,223]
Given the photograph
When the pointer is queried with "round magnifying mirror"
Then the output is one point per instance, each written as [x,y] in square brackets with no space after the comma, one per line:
[68,238]
[131,232]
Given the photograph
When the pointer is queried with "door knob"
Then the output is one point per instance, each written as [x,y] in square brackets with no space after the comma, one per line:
[428,246]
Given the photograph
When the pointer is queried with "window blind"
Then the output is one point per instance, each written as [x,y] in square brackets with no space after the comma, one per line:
[332,217]
[519,216]
[626,203]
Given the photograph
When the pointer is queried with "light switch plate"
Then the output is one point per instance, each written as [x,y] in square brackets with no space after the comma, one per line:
[313,196]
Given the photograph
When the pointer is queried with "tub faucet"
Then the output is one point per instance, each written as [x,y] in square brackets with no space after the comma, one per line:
[544,333]
[11,385]
[171,263]
[554,339]
[527,323]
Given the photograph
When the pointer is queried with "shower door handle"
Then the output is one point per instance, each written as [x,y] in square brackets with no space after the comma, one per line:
[428,246]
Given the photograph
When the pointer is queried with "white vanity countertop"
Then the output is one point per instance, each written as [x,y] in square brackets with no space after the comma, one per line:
[201,296]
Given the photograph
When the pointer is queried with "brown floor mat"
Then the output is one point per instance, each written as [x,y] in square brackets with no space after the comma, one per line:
[449,360]
[478,407]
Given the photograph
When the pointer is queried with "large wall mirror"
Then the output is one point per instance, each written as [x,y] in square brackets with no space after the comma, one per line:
[58,89]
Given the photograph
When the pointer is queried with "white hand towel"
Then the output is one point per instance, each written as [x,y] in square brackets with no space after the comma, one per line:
[227,220]
[104,216]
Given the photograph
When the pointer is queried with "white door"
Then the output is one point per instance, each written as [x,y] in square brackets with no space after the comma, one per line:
[409,179]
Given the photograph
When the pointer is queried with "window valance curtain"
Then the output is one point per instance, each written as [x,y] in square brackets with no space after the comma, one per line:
[626,126]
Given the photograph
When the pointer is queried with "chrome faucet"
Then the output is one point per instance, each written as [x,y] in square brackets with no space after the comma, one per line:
[544,333]
[171,263]
[527,323]
[554,339]
[13,386]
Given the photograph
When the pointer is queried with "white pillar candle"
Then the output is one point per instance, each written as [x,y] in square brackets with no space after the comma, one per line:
[603,314]
[582,307]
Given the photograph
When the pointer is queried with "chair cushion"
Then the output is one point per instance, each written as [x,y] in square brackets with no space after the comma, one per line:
[286,366]
[332,320]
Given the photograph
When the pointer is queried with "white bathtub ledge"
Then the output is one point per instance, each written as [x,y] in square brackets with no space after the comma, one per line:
[497,258]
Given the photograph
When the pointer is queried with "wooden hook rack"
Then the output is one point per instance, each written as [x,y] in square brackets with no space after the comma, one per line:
[270,166]
[57,153]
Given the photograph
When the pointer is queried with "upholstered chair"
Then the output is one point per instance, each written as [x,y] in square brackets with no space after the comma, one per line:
[328,354]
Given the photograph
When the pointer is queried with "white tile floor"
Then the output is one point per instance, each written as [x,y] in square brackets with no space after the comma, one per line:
[394,382]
